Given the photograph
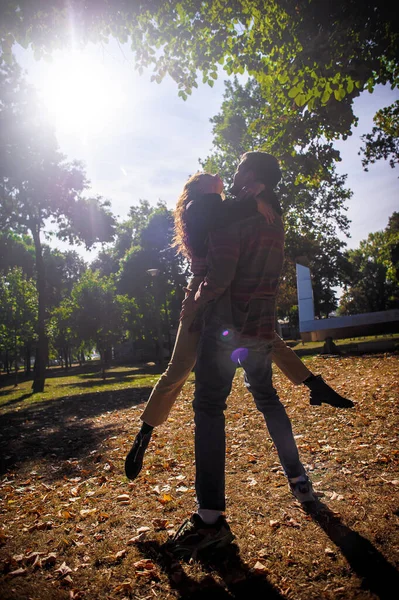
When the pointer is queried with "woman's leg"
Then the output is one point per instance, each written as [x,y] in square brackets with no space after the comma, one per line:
[292,367]
[171,382]
[165,392]
[182,362]
[288,362]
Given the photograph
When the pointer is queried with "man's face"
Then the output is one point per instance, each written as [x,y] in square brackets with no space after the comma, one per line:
[242,177]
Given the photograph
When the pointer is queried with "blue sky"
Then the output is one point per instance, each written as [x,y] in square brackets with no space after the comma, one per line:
[143,141]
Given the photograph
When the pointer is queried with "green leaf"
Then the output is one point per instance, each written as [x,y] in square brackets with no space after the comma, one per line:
[300,99]
[325,97]
[283,78]
[339,94]
[294,91]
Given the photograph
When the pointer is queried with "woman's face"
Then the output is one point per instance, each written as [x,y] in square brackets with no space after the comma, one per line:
[212,184]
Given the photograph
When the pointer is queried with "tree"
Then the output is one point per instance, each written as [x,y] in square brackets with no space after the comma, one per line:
[18,314]
[17,251]
[38,187]
[98,313]
[373,282]
[62,330]
[383,141]
[63,270]
[316,55]
[151,249]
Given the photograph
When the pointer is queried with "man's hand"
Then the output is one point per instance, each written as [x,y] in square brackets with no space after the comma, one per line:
[189,305]
[266,210]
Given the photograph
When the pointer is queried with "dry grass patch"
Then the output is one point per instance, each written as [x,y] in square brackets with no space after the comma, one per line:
[74,527]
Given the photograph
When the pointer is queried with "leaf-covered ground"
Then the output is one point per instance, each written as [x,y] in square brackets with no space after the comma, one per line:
[72,525]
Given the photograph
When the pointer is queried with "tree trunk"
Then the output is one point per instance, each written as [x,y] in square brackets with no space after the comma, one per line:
[16,358]
[27,358]
[41,350]
[103,365]
[66,366]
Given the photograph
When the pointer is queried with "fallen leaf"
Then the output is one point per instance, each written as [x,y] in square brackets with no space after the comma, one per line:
[87,511]
[120,554]
[274,524]
[165,499]
[34,558]
[63,570]
[258,566]
[143,529]
[292,523]
[102,517]
[17,572]
[137,538]
[18,558]
[67,514]
[160,524]
[335,496]
[144,563]
[123,498]
[49,560]
[125,586]
[75,595]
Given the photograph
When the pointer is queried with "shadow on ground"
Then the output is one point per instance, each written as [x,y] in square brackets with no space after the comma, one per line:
[227,576]
[377,574]
[64,430]
[88,371]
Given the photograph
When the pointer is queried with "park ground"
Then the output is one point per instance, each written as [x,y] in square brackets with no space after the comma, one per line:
[73,527]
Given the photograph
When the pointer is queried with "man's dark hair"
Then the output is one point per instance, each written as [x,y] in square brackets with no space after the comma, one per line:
[264,166]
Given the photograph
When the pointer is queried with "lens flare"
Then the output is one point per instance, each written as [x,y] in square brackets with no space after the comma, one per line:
[226,335]
[239,355]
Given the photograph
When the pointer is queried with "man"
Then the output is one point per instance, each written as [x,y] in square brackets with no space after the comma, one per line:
[244,264]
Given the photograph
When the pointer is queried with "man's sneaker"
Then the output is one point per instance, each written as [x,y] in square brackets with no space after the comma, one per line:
[321,392]
[195,536]
[134,460]
[303,490]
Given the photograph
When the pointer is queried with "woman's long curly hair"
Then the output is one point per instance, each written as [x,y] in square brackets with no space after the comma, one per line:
[192,191]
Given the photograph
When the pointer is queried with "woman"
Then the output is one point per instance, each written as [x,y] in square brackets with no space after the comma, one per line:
[201,208]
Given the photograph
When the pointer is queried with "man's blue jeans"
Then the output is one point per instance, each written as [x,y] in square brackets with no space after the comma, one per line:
[219,353]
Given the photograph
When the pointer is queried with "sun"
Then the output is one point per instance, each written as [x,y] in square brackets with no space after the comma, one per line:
[81,94]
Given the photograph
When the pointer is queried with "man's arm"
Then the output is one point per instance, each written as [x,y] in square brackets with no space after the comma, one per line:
[222,258]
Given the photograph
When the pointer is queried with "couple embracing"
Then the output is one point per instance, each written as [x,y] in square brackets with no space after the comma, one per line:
[236,250]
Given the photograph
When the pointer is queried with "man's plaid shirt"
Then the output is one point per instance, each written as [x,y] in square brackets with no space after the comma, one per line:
[244,264]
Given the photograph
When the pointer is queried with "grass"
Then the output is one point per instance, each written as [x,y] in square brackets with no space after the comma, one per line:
[77,381]
[72,524]
[317,346]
